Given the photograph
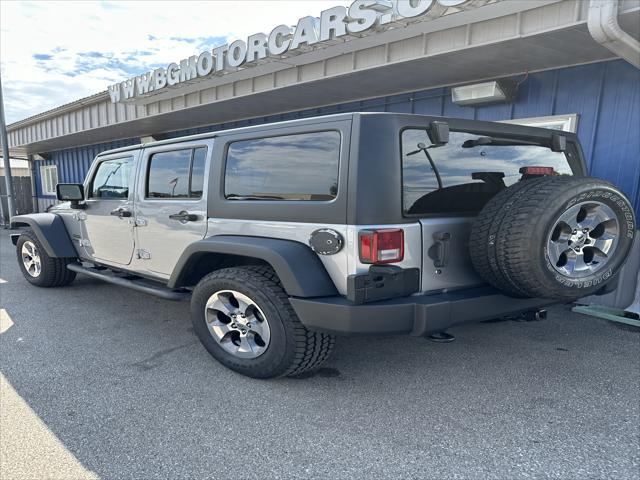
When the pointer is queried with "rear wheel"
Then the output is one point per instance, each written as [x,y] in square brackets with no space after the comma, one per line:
[553,237]
[244,319]
[37,267]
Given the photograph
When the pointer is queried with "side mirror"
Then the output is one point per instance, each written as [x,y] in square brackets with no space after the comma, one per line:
[70,192]
[438,133]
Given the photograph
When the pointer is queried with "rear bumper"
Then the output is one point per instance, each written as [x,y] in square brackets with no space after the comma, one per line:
[415,315]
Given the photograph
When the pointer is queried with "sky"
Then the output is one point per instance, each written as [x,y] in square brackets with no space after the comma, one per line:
[52,53]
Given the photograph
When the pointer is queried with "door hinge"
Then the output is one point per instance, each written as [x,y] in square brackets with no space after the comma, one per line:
[144,254]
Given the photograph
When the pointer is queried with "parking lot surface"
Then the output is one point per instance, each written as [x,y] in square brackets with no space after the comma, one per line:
[102,382]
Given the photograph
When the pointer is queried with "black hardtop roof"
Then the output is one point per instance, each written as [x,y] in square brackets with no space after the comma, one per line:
[405,118]
[249,129]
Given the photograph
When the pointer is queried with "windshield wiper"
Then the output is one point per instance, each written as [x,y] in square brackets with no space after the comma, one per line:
[423,148]
[498,142]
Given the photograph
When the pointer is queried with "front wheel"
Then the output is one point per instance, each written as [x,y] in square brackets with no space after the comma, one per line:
[244,319]
[37,267]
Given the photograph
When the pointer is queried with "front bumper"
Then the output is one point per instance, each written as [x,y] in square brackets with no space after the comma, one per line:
[416,315]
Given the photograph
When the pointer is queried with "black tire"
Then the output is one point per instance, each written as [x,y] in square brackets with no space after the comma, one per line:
[509,239]
[292,349]
[484,233]
[53,272]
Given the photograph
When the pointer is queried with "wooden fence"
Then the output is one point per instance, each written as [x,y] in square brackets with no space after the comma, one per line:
[22,192]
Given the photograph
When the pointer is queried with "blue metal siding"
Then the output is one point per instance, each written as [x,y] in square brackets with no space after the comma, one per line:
[73,163]
[616,140]
[605,95]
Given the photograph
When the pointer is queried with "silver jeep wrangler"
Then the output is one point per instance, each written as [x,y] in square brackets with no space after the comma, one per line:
[286,235]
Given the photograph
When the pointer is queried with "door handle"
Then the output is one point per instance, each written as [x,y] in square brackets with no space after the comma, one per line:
[184,217]
[121,213]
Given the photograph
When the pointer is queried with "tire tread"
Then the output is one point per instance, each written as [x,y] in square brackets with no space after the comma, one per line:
[310,349]
[54,269]
[502,248]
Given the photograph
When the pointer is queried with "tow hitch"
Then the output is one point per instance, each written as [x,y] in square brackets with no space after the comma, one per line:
[532,316]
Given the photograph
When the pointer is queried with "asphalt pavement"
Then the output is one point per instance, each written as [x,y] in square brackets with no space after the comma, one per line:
[98,381]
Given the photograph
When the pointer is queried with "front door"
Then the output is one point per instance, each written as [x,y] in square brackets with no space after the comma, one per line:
[171,207]
[107,229]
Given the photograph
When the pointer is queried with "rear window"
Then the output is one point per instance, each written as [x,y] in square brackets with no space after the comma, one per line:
[463,180]
[289,167]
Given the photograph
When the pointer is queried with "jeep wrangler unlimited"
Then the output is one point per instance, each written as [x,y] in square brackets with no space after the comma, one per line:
[288,234]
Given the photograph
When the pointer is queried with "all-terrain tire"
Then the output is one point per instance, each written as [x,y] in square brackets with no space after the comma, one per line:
[292,349]
[485,232]
[53,270]
[511,238]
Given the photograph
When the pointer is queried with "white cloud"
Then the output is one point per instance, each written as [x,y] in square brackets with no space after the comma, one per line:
[52,53]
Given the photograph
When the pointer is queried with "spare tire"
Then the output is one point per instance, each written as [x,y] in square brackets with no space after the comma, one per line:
[557,237]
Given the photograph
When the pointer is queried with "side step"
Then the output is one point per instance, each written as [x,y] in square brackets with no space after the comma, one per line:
[140,284]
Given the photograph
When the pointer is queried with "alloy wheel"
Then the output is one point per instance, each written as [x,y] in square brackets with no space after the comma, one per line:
[31,259]
[237,324]
[583,239]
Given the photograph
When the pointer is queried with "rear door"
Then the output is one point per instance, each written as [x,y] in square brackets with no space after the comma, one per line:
[171,206]
[446,187]
[107,221]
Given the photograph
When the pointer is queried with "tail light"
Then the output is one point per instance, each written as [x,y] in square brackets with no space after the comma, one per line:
[382,246]
[537,170]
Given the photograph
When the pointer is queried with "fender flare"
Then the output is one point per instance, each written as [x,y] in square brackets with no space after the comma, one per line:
[50,231]
[300,270]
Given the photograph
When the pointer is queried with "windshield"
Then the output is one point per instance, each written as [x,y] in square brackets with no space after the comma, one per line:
[456,179]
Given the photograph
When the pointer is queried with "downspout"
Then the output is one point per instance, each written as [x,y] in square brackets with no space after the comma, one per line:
[32,177]
[605,29]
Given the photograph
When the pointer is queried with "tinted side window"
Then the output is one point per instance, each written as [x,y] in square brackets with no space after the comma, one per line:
[289,167]
[112,179]
[197,172]
[176,174]
[169,174]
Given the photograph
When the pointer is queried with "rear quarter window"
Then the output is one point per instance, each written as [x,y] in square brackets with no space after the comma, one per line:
[289,167]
